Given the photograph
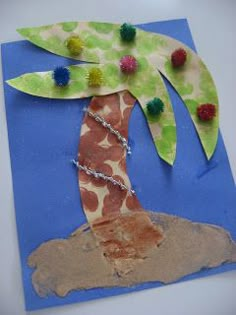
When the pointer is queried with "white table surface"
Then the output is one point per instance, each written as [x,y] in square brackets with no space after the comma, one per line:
[213,24]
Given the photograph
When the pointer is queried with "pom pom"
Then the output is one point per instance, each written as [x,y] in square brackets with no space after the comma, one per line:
[155,106]
[206,111]
[95,77]
[74,45]
[61,76]
[127,32]
[178,57]
[128,64]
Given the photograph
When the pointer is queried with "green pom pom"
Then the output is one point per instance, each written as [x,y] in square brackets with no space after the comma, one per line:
[155,106]
[127,32]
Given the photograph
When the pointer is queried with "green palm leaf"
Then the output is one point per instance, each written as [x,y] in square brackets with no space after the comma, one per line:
[102,44]
[162,128]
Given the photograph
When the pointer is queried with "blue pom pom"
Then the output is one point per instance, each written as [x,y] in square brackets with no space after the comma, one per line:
[61,76]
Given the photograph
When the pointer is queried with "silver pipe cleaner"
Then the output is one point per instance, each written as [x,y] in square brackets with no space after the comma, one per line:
[105,124]
[103,176]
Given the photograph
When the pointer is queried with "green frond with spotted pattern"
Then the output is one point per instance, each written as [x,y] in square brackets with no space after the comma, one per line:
[103,45]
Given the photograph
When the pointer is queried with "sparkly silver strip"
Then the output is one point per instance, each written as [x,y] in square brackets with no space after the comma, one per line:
[96,174]
[105,124]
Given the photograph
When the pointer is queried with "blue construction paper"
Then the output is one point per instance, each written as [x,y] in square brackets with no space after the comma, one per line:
[43,138]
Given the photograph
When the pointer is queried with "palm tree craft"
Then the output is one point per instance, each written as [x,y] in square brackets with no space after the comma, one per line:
[124,244]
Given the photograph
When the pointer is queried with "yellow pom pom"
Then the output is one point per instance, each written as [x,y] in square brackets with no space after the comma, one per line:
[95,77]
[74,45]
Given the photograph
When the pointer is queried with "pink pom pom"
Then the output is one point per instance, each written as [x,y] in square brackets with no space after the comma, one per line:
[128,64]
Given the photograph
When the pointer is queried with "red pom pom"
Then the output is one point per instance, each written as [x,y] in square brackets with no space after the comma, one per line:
[178,57]
[206,111]
[128,64]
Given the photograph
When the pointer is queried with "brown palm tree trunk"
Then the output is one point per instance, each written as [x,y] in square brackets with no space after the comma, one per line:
[116,217]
